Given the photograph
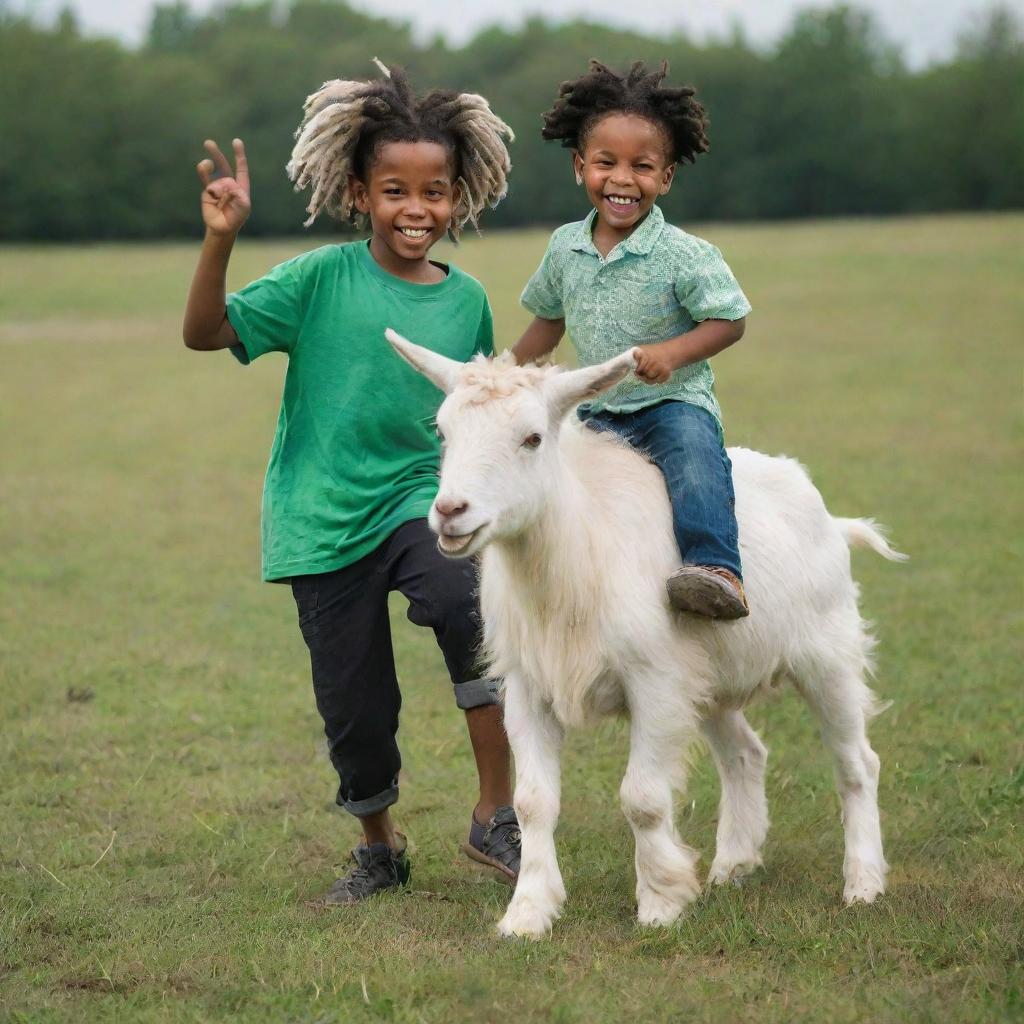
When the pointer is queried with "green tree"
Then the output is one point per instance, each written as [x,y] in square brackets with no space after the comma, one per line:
[100,141]
[821,141]
[172,28]
[968,147]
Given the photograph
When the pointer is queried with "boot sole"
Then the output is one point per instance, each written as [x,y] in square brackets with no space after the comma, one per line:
[705,597]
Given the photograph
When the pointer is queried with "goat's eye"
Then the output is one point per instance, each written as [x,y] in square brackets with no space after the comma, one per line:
[440,435]
[533,441]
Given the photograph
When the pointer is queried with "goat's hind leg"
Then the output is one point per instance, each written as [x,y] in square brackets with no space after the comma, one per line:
[843,702]
[666,879]
[740,758]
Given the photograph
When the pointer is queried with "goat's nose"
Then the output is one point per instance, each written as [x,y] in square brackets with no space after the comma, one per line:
[450,506]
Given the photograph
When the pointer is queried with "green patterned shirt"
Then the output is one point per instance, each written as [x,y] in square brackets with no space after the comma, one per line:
[654,285]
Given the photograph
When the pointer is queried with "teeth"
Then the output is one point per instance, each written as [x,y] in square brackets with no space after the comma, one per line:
[620,200]
[413,232]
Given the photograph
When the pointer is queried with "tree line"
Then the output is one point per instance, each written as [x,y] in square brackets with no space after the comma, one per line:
[98,140]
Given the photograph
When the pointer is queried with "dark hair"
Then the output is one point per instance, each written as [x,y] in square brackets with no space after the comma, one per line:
[345,123]
[584,101]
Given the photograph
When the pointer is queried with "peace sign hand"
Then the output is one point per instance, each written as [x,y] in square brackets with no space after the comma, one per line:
[225,201]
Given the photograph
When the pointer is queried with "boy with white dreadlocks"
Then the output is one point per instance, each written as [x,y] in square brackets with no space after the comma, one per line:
[624,279]
[353,468]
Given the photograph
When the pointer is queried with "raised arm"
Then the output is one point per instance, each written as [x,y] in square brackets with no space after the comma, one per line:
[538,340]
[225,206]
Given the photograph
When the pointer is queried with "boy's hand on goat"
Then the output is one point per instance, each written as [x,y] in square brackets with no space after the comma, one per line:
[225,202]
[654,363]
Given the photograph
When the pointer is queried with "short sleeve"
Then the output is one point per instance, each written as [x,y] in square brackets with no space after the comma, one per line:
[267,313]
[542,295]
[707,289]
[485,333]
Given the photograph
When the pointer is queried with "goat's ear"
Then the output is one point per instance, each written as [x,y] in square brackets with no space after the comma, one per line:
[566,390]
[444,372]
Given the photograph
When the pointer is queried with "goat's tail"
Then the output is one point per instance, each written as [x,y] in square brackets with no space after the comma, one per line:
[866,533]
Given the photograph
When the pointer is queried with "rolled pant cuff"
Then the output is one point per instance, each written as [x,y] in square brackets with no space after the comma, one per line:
[477,693]
[372,804]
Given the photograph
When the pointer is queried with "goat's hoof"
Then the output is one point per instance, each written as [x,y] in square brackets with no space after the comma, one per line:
[526,921]
[850,899]
[663,920]
[658,912]
[734,872]
[862,893]
[864,883]
[657,909]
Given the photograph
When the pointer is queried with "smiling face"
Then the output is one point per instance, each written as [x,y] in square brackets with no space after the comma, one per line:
[625,165]
[409,199]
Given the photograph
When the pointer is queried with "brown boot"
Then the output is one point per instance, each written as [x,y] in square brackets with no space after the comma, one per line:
[707,590]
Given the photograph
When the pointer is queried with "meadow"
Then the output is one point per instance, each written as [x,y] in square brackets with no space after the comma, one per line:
[167,807]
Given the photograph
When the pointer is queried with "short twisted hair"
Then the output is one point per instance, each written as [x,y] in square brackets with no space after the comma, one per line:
[584,101]
[345,123]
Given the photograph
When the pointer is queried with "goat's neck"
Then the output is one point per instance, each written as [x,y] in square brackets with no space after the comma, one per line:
[556,546]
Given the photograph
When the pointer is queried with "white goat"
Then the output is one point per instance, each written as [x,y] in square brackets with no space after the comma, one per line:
[576,539]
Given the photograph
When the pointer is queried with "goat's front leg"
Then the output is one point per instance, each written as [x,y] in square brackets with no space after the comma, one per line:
[666,879]
[536,740]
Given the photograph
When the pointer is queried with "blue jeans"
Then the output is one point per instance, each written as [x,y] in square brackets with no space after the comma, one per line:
[685,442]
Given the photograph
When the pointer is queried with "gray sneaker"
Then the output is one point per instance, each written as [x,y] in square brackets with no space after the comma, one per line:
[707,590]
[497,844]
[377,869]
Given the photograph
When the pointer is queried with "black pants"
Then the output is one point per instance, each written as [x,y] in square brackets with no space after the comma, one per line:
[343,616]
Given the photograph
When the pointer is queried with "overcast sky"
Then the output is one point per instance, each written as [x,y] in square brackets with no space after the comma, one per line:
[925,30]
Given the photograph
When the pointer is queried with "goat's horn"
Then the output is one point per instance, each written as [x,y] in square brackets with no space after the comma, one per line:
[439,369]
[565,390]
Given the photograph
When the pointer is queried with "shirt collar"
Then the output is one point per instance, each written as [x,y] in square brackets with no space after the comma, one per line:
[639,243]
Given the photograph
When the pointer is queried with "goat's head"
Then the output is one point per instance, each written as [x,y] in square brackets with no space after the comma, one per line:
[499,427]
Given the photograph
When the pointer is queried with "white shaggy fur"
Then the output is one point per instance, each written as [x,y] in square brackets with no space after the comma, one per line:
[576,540]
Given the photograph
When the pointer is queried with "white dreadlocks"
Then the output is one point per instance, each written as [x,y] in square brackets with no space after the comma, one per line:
[343,121]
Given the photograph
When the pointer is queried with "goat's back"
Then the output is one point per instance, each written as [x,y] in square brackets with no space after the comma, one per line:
[586,600]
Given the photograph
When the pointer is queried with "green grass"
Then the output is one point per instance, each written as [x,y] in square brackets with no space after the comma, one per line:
[166,804]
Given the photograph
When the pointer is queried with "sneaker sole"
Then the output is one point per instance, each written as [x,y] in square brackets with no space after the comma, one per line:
[504,874]
[323,903]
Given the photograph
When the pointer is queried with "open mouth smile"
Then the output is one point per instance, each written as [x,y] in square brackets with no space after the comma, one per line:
[414,233]
[623,203]
[455,544]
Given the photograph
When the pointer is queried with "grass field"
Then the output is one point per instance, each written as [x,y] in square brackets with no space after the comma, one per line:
[166,804]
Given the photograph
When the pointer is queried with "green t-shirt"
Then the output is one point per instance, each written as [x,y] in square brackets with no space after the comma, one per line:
[355,454]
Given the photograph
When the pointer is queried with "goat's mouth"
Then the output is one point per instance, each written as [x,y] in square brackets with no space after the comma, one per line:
[456,545]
